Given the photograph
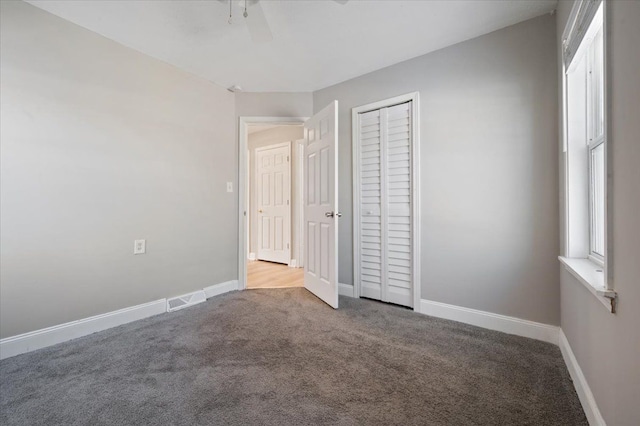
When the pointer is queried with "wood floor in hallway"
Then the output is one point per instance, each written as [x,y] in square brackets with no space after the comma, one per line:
[261,274]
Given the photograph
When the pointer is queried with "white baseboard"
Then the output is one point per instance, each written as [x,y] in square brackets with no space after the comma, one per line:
[503,323]
[39,339]
[221,288]
[345,289]
[580,383]
[252,256]
[293,263]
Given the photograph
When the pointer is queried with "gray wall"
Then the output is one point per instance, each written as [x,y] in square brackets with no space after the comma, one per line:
[489,174]
[274,104]
[101,145]
[607,346]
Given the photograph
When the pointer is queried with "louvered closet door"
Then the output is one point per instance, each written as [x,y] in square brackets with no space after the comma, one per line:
[385,205]
[370,206]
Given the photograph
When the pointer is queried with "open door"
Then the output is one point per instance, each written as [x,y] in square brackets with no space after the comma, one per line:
[321,204]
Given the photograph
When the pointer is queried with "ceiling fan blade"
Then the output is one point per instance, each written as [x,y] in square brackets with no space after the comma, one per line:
[341,1]
[257,24]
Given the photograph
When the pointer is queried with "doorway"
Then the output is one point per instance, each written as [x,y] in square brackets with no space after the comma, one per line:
[273,211]
[316,183]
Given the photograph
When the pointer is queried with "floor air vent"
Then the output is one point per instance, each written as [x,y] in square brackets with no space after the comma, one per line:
[186,300]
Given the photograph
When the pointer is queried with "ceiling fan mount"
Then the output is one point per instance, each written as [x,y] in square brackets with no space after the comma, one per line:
[255,19]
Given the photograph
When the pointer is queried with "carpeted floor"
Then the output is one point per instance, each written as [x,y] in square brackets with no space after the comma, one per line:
[282,357]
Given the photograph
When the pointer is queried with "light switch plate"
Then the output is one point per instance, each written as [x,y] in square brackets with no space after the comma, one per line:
[139,246]
[229,186]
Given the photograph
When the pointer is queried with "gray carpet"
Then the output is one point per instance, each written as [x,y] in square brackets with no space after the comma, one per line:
[282,357]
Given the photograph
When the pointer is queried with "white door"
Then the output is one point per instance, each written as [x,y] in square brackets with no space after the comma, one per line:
[321,204]
[384,191]
[273,193]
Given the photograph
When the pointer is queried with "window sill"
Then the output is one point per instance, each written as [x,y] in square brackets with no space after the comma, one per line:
[591,275]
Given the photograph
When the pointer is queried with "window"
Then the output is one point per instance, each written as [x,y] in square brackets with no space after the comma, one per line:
[585,149]
[596,198]
[596,140]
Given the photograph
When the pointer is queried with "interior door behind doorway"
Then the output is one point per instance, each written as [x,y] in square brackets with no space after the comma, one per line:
[273,194]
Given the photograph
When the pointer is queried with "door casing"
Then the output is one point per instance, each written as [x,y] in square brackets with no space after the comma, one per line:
[243,185]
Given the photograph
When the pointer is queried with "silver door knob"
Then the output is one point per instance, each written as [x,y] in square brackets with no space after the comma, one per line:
[331,214]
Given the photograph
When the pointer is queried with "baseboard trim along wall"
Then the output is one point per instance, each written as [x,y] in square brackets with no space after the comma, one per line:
[525,328]
[497,322]
[221,288]
[38,339]
[345,290]
[580,383]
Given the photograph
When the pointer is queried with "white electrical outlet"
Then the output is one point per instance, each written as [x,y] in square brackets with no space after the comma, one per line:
[139,246]
[229,186]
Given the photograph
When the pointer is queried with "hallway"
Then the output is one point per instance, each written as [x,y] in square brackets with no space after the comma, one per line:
[261,274]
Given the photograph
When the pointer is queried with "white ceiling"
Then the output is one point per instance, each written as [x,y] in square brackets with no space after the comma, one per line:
[315,43]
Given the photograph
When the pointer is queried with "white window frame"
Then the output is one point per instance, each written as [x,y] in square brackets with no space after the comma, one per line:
[595,140]
[594,256]
[591,269]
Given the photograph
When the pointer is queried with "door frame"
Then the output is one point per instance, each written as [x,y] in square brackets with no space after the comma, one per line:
[243,185]
[299,206]
[253,178]
[414,97]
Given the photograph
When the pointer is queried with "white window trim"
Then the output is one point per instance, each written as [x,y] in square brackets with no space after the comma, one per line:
[593,255]
[593,272]
[592,277]
[594,138]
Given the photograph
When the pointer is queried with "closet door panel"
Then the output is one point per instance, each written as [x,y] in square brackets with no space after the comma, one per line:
[398,205]
[385,235]
[370,262]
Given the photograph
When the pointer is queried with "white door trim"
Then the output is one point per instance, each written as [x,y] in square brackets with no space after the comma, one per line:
[243,185]
[299,203]
[254,180]
[415,192]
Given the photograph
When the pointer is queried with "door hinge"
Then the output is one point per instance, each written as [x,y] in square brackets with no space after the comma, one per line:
[287,158]
[287,245]
[287,202]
